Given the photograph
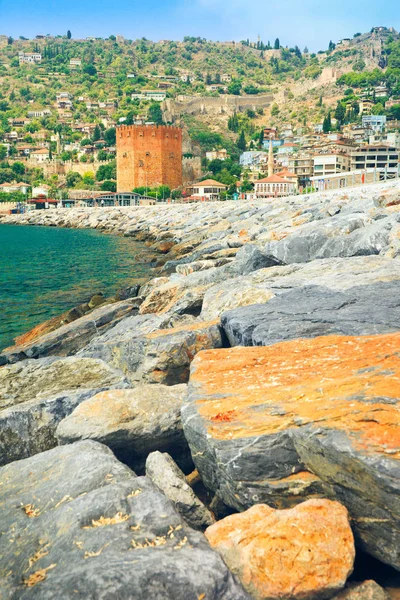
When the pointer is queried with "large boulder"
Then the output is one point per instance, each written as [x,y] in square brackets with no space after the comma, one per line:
[77,524]
[70,338]
[342,235]
[35,395]
[302,419]
[333,273]
[147,354]
[304,552]
[314,311]
[167,476]
[132,422]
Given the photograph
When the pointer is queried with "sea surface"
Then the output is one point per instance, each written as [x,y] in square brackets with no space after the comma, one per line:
[45,271]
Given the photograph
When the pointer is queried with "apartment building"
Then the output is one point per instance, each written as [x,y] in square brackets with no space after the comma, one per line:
[328,164]
[381,157]
[375,122]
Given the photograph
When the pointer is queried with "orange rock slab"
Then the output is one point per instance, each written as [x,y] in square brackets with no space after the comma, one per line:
[306,552]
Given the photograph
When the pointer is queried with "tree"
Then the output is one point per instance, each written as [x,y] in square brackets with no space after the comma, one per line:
[234,88]
[88,178]
[108,186]
[18,168]
[97,134]
[320,101]
[106,172]
[331,46]
[112,38]
[277,44]
[110,136]
[69,34]
[10,40]
[340,114]
[378,109]
[261,138]
[154,114]
[275,110]
[3,152]
[327,124]
[241,142]
[73,178]
[89,70]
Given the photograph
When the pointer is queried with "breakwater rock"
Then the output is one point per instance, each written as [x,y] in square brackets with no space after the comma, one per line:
[264,354]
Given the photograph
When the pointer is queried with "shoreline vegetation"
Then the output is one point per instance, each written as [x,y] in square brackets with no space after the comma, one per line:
[238,410]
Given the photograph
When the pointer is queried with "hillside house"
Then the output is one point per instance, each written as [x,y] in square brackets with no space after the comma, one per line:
[40,156]
[157,96]
[217,154]
[29,58]
[11,188]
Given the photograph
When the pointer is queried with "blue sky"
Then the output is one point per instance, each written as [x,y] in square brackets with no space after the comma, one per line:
[302,22]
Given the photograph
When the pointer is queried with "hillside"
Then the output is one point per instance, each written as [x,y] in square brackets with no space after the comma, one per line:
[80,89]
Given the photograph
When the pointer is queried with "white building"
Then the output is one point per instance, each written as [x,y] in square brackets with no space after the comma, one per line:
[29,58]
[328,164]
[375,122]
[274,187]
[150,95]
[41,155]
[10,188]
[217,154]
[207,190]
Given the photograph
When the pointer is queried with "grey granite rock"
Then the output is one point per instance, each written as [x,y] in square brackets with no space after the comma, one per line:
[70,338]
[35,395]
[343,236]
[133,423]
[314,311]
[148,354]
[167,476]
[77,524]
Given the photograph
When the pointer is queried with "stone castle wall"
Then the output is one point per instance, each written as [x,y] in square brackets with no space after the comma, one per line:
[148,155]
[208,105]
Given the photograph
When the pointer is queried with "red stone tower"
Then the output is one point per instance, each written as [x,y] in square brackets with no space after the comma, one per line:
[148,156]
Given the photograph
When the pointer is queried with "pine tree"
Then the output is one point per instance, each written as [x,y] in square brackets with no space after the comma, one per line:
[261,138]
[96,134]
[241,142]
[277,44]
[327,124]
[69,34]
[340,114]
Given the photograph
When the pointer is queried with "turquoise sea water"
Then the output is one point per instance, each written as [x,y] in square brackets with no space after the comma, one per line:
[45,271]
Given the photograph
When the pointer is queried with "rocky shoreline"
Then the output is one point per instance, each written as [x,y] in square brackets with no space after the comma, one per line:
[250,389]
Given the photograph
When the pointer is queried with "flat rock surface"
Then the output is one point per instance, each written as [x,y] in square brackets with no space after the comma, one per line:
[43,378]
[77,524]
[132,422]
[333,273]
[35,395]
[304,552]
[314,311]
[258,418]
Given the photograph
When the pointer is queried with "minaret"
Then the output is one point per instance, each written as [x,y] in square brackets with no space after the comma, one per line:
[270,159]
